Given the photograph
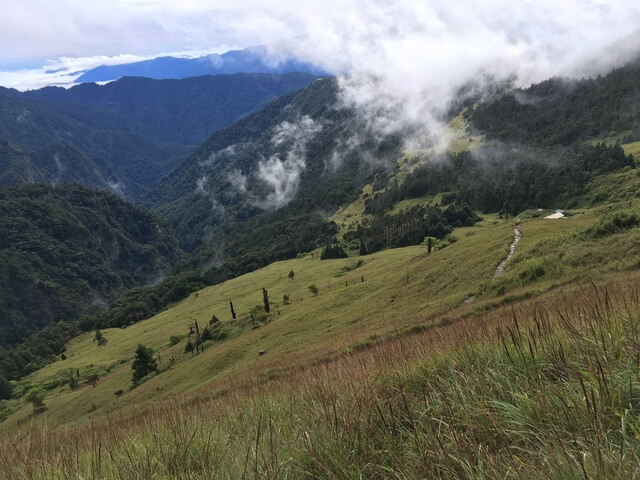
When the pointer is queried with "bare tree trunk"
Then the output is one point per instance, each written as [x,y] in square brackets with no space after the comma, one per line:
[265,298]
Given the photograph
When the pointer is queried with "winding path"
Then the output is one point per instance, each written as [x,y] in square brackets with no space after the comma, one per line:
[503,264]
[512,249]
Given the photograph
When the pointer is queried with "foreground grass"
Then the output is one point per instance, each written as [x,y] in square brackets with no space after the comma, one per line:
[549,388]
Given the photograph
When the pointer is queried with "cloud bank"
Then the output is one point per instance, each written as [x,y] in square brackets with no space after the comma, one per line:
[403,59]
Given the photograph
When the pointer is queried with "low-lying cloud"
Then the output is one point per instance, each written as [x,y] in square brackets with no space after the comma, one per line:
[281,172]
[238,180]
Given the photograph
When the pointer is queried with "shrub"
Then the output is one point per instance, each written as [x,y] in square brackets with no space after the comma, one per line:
[258,314]
[219,332]
[615,223]
[36,397]
[206,335]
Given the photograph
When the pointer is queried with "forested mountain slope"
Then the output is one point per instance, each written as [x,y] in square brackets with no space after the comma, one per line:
[275,174]
[67,251]
[118,149]
[562,111]
[129,133]
[190,109]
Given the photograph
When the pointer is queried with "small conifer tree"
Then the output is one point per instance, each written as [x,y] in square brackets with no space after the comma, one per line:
[143,363]
[100,338]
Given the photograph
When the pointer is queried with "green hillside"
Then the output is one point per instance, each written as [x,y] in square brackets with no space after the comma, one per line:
[275,171]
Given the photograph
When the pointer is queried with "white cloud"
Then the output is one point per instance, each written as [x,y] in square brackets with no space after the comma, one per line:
[238,180]
[117,187]
[404,60]
[201,184]
[283,176]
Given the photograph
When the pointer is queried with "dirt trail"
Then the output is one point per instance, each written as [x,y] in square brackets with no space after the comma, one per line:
[512,249]
[503,264]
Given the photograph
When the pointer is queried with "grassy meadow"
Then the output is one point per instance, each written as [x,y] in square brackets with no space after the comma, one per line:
[405,365]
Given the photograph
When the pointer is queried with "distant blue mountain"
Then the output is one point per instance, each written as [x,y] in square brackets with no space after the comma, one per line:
[249,60]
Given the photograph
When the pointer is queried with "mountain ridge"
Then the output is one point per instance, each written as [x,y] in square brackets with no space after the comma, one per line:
[108,124]
[248,60]
[190,109]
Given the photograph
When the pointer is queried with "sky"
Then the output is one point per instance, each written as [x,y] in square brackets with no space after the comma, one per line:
[44,41]
[402,56]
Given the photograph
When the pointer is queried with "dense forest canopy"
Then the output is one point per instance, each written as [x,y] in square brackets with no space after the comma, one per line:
[67,251]
[563,111]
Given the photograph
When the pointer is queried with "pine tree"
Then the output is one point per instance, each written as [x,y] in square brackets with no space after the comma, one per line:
[143,363]
[100,338]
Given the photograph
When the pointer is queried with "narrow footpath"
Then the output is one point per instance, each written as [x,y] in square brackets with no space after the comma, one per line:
[512,249]
[516,238]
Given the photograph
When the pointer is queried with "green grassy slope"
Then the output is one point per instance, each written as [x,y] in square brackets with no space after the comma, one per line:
[370,367]
[404,290]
